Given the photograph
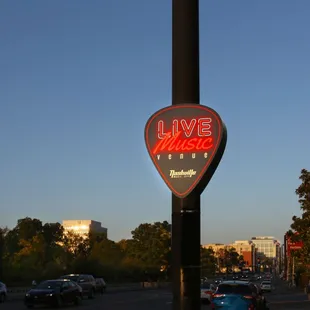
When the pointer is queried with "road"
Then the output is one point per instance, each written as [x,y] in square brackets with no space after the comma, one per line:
[130,300]
[284,298]
[281,298]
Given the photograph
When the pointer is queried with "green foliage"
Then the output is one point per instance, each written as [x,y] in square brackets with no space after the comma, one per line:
[208,262]
[300,227]
[228,258]
[33,250]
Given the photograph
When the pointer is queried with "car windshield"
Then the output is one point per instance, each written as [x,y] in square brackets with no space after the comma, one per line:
[49,285]
[205,285]
[72,278]
[234,289]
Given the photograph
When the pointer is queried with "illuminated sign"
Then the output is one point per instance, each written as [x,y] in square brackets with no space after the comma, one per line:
[293,245]
[186,143]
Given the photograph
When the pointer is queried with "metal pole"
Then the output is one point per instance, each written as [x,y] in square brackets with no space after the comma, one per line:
[186,211]
[293,272]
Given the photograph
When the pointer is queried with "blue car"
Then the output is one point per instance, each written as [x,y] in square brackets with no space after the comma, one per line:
[238,295]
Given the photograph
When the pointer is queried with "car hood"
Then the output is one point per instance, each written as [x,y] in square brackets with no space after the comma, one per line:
[41,291]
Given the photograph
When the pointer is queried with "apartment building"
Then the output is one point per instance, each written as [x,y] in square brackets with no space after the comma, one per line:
[244,248]
[266,246]
[83,227]
[216,247]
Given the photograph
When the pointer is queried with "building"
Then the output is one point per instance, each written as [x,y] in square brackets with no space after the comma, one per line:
[247,250]
[244,248]
[83,227]
[266,246]
[216,247]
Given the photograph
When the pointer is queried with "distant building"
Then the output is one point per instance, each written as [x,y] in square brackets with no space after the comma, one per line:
[246,249]
[83,227]
[216,247]
[266,246]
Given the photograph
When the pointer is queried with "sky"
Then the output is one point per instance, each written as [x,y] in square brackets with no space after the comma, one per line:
[79,79]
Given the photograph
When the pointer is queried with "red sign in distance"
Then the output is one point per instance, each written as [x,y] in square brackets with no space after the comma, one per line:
[186,143]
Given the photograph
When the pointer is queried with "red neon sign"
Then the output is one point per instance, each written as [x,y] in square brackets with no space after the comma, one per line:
[184,136]
[186,143]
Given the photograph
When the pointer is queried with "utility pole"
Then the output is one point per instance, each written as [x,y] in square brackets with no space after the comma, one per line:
[186,142]
[185,211]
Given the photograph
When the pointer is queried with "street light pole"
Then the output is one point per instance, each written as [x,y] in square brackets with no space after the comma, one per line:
[185,211]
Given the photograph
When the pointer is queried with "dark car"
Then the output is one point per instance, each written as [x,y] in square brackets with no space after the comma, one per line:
[85,281]
[238,294]
[101,286]
[54,293]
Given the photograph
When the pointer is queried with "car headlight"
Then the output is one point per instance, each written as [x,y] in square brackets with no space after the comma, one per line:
[49,295]
[27,295]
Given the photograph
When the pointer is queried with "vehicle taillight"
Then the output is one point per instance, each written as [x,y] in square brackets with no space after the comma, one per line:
[248,297]
[218,295]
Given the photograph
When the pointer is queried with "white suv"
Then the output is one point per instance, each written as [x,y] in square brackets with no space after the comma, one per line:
[265,286]
[3,292]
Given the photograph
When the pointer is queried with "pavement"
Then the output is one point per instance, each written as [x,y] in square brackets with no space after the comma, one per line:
[281,298]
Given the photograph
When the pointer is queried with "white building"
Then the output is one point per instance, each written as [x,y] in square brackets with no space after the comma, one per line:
[83,227]
[266,245]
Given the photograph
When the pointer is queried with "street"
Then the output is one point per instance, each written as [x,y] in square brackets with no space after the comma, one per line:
[281,298]
[130,300]
[284,298]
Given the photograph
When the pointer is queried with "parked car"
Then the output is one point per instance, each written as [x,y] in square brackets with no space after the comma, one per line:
[3,292]
[54,293]
[206,291]
[238,294]
[85,281]
[101,285]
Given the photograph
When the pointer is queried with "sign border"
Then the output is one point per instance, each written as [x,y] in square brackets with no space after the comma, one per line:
[209,168]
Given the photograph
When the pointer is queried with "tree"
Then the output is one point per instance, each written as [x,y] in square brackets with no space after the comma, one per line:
[2,249]
[300,226]
[27,228]
[233,257]
[228,257]
[107,252]
[151,244]
[208,262]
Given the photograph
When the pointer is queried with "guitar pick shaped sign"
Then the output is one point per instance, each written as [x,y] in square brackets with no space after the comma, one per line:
[186,143]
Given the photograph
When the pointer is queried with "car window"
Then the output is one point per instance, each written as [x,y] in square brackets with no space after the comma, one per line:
[49,285]
[65,285]
[205,286]
[234,289]
[71,284]
[72,278]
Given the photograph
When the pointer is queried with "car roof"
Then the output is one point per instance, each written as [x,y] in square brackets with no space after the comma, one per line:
[235,282]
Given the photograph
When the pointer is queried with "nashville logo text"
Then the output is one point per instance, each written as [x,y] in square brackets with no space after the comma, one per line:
[182,174]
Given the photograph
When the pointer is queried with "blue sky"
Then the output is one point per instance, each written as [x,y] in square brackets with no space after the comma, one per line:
[79,79]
